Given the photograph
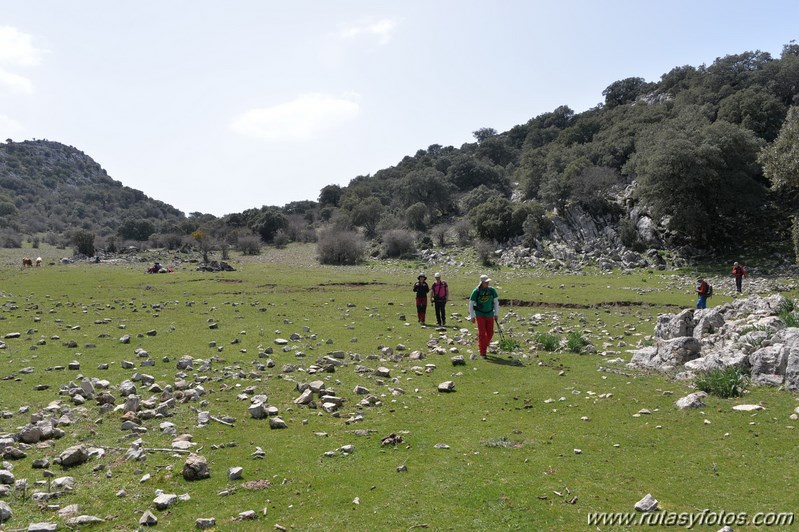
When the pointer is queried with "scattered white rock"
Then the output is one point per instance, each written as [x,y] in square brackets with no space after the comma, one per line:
[747,408]
[647,504]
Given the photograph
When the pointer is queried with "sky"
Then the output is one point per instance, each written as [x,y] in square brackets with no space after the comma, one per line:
[221,106]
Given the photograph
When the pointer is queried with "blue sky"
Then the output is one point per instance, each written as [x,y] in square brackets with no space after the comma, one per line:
[219,107]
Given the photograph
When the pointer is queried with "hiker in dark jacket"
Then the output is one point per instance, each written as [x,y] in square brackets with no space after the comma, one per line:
[421,288]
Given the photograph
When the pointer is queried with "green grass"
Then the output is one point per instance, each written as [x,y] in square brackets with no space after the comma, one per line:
[511,428]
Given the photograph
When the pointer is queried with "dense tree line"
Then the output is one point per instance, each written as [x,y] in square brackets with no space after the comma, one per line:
[711,152]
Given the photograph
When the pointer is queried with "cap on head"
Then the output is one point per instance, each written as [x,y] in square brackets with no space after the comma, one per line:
[437,275]
[422,276]
[735,263]
[484,279]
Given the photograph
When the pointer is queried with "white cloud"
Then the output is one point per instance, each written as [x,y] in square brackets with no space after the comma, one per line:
[14,82]
[382,29]
[17,49]
[300,119]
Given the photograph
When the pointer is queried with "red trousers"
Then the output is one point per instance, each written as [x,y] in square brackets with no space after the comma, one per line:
[421,308]
[485,332]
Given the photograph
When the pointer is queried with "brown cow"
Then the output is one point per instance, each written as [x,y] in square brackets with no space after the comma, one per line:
[27,262]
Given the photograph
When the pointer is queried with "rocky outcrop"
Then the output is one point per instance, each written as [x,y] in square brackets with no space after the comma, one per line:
[746,333]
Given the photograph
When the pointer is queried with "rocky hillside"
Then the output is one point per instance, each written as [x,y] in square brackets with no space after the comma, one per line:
[48,187]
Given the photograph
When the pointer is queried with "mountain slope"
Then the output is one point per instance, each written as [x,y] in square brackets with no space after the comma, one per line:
[48,187]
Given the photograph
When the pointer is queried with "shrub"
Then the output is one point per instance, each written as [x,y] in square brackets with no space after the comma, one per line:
[10,239]
[795,238]
[463,232]
[340,247]
[547,341]
[575,342]
[172,241]
[398,243]
[506,343]
[416,216]
[249,245]
[281,239]
[84,243]
[440,235]
[787,313]
[485,252]
[425,242]
[726,382]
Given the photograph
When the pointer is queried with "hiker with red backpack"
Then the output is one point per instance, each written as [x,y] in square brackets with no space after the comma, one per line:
[439,293]
[739,273]
[703,290]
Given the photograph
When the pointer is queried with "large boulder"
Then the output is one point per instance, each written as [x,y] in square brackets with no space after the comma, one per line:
[768,365]
[73,456]
[196,468]
[679,350]
[707,321]
[671,326]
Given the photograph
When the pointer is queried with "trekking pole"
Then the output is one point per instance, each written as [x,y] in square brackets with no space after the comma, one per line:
[499,328]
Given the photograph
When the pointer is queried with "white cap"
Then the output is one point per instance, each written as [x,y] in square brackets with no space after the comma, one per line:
[484,279]
[437,274]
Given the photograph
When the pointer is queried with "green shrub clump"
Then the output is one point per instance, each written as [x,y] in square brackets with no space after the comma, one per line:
[506,343]
[724,383]
[547,341]
[787,313]
[575,342]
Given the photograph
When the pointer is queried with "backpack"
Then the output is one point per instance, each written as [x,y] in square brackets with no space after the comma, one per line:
[709,290]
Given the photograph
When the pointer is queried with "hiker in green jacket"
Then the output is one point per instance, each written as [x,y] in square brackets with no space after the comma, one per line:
[483,310]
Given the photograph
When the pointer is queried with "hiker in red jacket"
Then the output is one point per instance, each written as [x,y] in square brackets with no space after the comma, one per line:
[739,273]
[439,295]
[702,289]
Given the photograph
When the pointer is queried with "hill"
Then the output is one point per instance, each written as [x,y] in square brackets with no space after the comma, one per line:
[697,164]
[50,190]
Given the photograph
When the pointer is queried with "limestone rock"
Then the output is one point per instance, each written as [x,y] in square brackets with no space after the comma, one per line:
[196,468]
[73,456]
[647,504]
[693,400]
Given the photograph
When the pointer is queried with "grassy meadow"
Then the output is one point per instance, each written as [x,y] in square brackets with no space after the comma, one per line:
[529,440]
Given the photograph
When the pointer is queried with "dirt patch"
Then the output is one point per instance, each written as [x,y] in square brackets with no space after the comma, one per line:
[553,304]
[256,485]
[365,283]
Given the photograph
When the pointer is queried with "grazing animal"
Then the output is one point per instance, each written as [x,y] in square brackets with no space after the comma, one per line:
[38,261]
[27,262]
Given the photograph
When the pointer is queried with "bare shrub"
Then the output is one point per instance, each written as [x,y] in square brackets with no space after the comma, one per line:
[463,232]
[340,247]
[485,252]
[398,243]
[10,239]
[281,239]
[249,245]
[439,234]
